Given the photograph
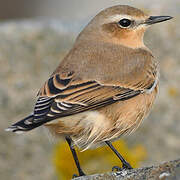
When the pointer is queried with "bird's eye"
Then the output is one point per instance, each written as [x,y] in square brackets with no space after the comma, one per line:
[124,23]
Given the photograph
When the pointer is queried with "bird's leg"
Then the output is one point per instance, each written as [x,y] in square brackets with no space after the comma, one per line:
[69,141]
[125,164]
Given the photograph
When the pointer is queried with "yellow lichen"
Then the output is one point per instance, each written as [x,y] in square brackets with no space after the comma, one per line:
[173,92]
[95,161]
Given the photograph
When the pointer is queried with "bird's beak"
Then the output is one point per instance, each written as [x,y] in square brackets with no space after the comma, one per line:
[156,19]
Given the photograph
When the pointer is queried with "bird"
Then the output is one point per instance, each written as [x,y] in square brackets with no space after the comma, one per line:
[105,85]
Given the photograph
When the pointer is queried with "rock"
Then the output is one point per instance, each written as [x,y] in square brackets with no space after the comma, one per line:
[165,171]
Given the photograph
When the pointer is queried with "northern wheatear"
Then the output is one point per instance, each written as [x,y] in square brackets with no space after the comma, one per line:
[105,85]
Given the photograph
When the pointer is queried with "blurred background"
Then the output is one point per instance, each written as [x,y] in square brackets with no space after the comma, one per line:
[34,37]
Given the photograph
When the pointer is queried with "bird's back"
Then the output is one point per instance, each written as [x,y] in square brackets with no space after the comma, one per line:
[111,64]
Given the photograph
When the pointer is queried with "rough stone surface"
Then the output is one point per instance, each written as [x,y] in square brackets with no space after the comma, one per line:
[165,171]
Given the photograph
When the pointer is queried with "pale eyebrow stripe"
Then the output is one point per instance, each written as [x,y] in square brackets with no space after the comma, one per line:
[118,17]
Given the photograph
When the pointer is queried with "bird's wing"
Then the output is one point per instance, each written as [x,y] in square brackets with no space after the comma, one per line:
[62,96]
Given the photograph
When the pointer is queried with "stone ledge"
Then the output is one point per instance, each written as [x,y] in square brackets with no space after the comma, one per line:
[165,171]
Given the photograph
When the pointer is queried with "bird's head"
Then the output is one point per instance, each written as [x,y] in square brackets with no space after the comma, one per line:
[121,24]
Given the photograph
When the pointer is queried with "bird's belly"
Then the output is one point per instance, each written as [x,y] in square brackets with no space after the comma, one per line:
[109,123]
[126,116]
[84,128]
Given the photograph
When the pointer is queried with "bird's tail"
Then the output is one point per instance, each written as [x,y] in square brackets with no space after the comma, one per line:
[23,125]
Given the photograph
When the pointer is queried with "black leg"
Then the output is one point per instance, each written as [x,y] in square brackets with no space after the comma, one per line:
[125,164]
[69,141]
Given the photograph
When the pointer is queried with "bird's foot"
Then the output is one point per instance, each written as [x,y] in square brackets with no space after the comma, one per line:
[116,168]
[124,167]
[74,176]
[80,174]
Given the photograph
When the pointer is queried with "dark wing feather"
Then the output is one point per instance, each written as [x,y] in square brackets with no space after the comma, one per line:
[63,96]
[58,110]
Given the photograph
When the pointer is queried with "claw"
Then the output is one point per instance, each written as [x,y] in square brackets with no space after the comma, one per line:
[74,176]
[116,168]
[127,166]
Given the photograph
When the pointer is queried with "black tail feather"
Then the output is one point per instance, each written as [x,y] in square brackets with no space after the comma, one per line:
[25,124]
